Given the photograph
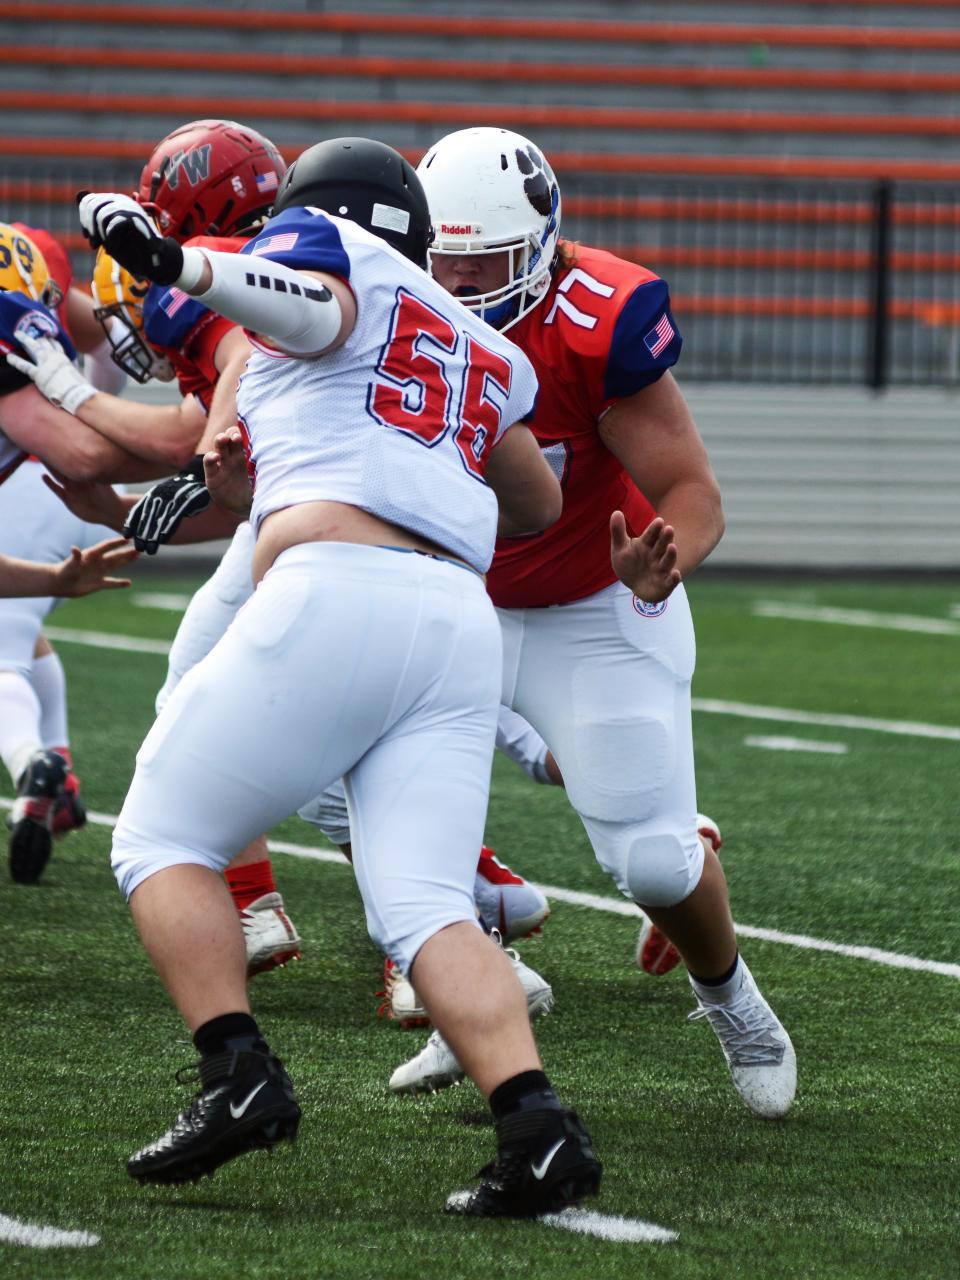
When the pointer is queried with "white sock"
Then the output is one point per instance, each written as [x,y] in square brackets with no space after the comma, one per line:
[724,993]
[50,686]
[19,722]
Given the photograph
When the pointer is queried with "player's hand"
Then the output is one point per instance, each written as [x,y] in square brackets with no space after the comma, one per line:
[225,470]
[52,372]
[156,517]
[129,235]
[648,564]
[89,500]
[86,571]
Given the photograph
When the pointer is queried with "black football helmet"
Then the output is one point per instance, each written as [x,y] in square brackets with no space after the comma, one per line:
[365,181]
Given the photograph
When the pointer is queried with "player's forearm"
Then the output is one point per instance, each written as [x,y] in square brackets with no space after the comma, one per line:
[162,435]
[696,514]
[25,578]
[208,526]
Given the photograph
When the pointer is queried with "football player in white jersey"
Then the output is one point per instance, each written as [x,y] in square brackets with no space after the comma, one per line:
[381,420]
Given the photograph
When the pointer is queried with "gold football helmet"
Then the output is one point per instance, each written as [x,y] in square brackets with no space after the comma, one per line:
[119,297]
[23,268]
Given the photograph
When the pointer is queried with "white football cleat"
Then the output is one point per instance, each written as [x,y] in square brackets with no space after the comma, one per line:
[505,900]
[400,1003]
[758,1050]
[436,1066]
[655,953]
[268,932]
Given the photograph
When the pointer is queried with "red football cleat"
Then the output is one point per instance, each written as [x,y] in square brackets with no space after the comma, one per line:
[69,813]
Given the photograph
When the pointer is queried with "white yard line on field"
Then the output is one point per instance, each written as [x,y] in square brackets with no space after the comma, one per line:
[621,907]
[749,711]
[160,600]
[604,1226]
[797,744]
[15,1231]
[106,640]
[714,706]
[856,618]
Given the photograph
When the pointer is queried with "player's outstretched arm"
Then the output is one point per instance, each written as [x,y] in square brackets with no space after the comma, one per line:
[527,490]
[67,445]
[80,574]
[164,436]
[302,313]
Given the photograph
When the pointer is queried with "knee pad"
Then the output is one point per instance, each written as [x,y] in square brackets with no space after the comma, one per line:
[660,870]
[620,766]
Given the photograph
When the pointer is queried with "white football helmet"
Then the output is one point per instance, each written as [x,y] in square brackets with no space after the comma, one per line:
[491,190]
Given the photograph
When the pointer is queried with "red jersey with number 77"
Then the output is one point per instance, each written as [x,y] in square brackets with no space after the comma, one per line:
[603,331]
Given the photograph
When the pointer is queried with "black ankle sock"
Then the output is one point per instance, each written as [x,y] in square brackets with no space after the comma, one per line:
[527,1090]
[724,977]
[237,1031]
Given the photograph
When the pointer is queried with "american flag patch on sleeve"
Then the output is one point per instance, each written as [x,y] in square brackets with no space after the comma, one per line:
[172,301]
[659,336]
[276,244]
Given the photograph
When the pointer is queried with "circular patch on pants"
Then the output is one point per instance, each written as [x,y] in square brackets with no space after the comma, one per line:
[648,610]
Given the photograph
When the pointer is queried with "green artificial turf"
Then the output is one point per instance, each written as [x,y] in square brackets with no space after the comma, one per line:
[860,1182]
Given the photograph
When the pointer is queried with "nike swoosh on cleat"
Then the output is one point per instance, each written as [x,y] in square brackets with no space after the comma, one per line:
[539,1171]
[237,1112]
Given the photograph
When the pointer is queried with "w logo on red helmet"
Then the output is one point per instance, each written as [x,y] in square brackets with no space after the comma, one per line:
[195,165]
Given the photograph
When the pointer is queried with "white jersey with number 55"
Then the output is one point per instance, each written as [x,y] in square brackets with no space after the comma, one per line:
[400,420]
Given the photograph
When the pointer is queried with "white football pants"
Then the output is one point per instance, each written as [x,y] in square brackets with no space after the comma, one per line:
[348,661]
[213,607]
[606,682]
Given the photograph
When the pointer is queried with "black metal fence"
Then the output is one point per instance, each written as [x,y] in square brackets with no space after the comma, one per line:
[797,282]
[772,280]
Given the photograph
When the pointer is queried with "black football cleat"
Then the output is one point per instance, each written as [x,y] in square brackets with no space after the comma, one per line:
[246,1102]
[31,819]
[545,1162]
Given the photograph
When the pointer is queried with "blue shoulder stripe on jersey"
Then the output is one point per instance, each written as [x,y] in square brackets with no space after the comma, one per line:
[20,314]
[645,342]
[170,315]
[304,239]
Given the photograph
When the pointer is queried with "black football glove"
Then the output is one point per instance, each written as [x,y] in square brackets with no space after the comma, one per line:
[129,235]
[157,515]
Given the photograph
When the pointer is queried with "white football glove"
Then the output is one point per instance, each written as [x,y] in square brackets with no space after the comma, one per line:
[128,232]
[52,372]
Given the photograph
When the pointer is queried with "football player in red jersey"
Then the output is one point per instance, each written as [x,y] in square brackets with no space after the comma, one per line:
[209,183]
[598,640]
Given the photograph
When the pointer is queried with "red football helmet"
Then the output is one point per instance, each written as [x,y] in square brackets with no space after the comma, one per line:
[211,177]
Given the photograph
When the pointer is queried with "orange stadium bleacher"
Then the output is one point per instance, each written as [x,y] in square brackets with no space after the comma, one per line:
[514,115]
[463,69]
[452,26]
[579,161]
